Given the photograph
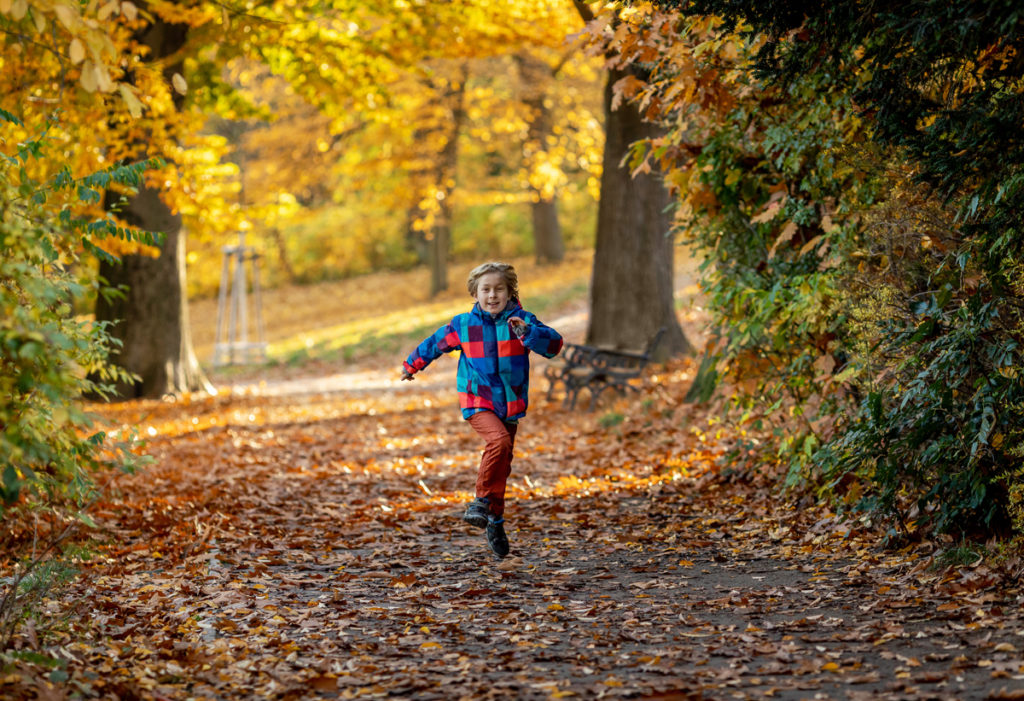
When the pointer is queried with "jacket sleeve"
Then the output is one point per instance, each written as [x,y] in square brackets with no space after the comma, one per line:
[539,338]
[444,340]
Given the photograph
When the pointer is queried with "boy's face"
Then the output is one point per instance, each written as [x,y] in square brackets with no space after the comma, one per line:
[492,293]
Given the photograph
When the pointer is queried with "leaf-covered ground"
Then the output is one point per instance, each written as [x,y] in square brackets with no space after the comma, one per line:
[302,544]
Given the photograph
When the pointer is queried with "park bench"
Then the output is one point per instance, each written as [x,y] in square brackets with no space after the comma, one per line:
[598,368]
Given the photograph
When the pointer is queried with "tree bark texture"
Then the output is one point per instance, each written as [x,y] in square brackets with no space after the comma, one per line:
[632,280]
[536,77]
[151,321]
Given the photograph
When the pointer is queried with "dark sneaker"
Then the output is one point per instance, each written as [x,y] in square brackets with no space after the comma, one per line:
[477,513]
[496,537]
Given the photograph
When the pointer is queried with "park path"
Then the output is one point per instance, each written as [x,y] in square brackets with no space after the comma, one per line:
[309,546]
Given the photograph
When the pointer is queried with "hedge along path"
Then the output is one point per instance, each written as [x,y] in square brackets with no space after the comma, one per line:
[310,546]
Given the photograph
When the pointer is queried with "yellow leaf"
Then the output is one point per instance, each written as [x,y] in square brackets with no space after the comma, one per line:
[555,607]
[1005,647]
[5,6]
[103,81]
[18,9]
[830,667]
[129,10]
[107,10]
[39,19]
[76,50]
[66,14]
[134,106]
[430,644]
[180,84]
[88,77]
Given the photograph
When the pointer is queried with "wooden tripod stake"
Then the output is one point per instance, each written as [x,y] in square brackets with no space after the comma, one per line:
[232,343]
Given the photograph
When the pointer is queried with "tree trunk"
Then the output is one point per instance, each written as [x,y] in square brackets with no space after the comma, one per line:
[437,258]
[414,238]
[548,244]
[282,255]
[536,75]
[440,235]
[632,281]
[151,320]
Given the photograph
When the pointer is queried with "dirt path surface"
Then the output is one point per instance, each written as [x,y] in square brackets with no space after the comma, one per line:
[310,546]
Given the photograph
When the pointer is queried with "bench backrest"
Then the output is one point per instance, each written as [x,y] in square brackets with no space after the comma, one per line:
[655,340]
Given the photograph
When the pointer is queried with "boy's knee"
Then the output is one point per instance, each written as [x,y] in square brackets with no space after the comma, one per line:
[500,443]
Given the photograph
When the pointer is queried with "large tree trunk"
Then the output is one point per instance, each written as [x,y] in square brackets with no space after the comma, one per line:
[632,285]
[151,320]
[536,75]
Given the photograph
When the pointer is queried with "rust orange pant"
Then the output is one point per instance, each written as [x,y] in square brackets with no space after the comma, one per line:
[496,461]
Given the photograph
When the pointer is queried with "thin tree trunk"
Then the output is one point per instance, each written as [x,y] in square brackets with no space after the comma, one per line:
[282,254]
[548,244]
[414,238]
[632,282]
[441,232]
[151,319]
[536,76]
[437,259]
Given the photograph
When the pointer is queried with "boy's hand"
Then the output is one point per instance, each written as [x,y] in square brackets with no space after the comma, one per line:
[518,326]
[406,375]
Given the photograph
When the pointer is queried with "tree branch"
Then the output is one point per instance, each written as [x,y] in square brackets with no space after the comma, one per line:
[584,9]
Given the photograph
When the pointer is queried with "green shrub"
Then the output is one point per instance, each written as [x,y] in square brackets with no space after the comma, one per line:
[890,364]
[49,446]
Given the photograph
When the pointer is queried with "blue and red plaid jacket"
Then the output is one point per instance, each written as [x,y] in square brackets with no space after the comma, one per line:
[494,367]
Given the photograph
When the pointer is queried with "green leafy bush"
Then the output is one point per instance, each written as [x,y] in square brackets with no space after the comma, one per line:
[776,228]
[49,358]
[901,345]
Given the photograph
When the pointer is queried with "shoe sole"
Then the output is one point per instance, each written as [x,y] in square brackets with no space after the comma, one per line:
[478,521]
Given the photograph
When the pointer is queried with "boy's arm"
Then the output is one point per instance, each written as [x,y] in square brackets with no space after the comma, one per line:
[444,340]
[539,338]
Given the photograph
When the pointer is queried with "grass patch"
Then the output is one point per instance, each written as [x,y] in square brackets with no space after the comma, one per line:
[363,339]
[373,318]
[963,555]
[611,419]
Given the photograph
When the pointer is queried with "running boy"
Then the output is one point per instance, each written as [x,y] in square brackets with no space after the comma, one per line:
[495,338]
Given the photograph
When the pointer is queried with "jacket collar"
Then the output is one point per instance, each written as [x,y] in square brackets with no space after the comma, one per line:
[511,308]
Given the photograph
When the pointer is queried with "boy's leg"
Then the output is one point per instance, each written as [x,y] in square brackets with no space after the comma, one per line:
[496,461]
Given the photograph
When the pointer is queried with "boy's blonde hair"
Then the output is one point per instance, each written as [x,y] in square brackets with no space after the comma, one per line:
[506,270]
